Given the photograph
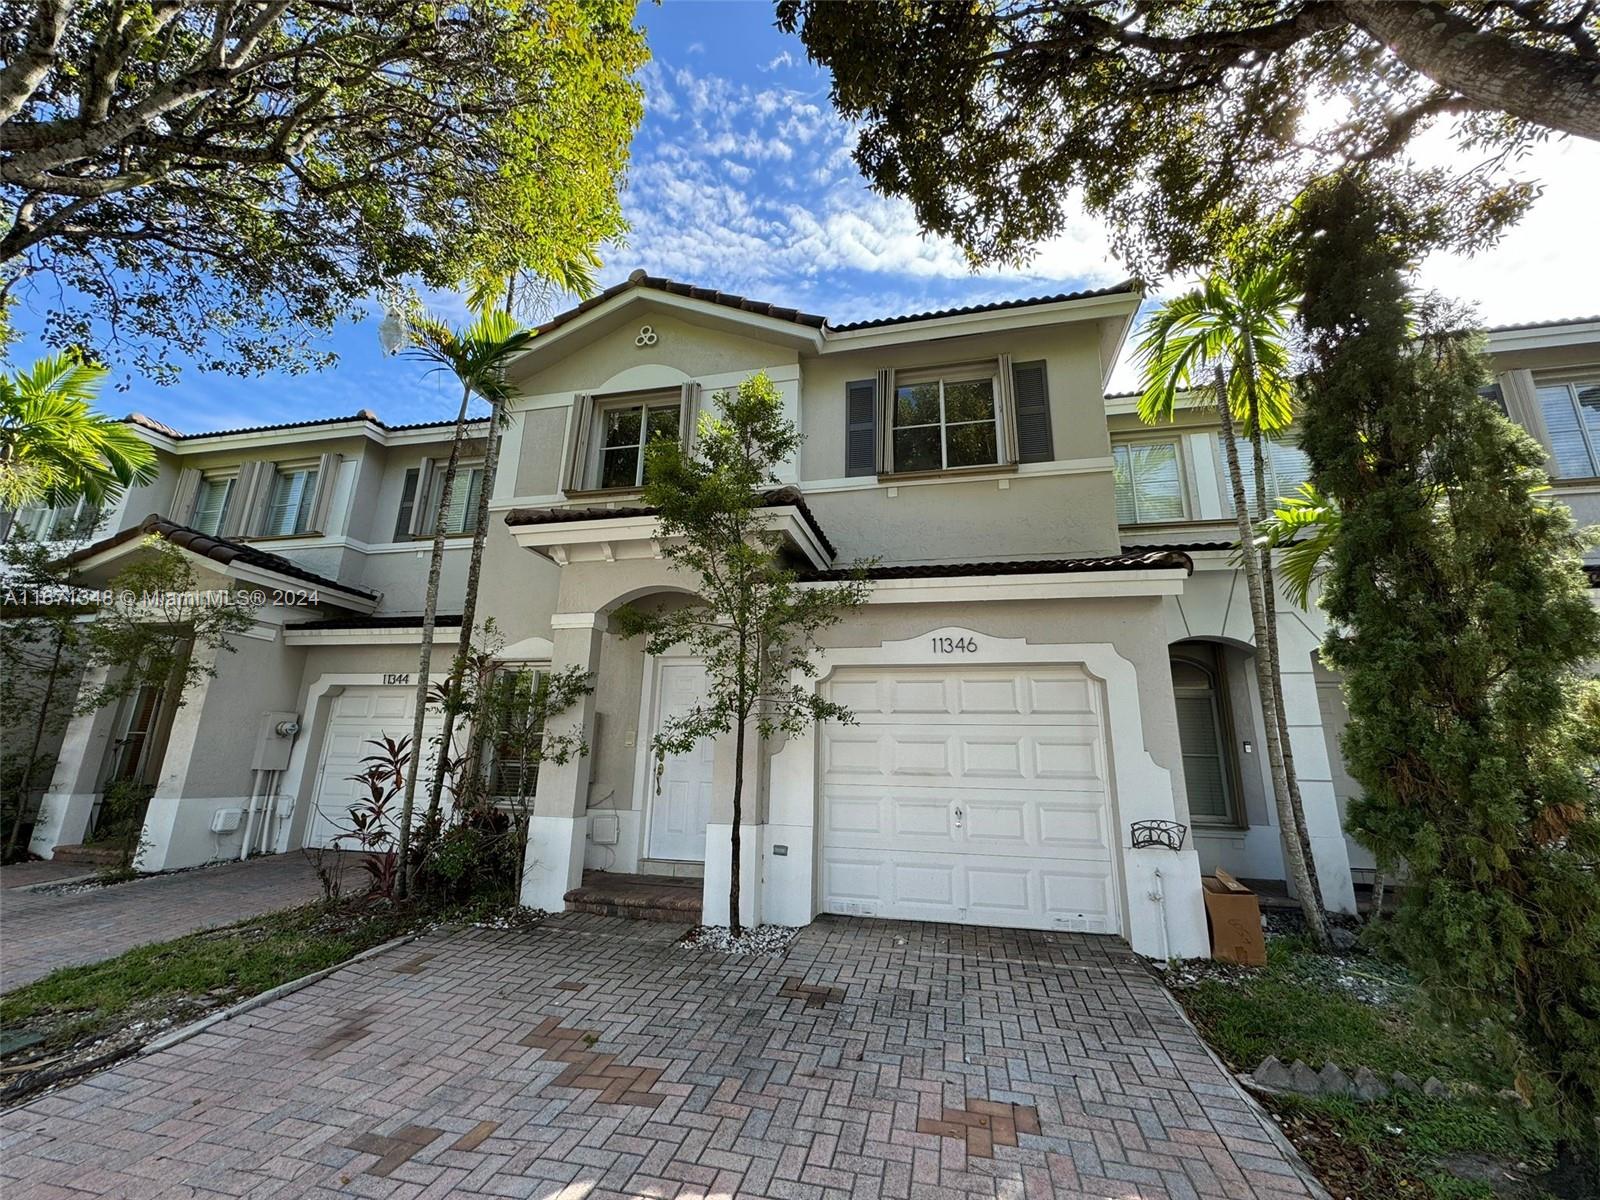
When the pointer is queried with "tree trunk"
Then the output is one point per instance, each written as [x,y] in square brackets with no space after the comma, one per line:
[469,608]
[1294,856]
[738,813]
[1269,600]
[430,615]
[1546,87]
[38,738]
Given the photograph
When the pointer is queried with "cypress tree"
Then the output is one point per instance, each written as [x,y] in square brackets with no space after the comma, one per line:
[1462,627]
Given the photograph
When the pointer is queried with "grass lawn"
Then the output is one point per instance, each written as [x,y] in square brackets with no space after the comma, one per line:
[1357,1011]
[81,1015]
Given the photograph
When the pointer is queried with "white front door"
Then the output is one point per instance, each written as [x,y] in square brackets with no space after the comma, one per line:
[977,795]
[359,716]
[680,797]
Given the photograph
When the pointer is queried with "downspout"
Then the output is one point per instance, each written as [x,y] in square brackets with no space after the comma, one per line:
[250,820]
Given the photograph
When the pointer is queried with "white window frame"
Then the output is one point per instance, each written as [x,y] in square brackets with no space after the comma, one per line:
[943,376]
[1215,671]
[308,497]
[231,478]
[597,455]
[1176,444]
[1571,384]
[39,521]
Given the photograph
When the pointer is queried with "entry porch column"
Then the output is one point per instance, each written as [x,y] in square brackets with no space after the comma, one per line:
[559,824]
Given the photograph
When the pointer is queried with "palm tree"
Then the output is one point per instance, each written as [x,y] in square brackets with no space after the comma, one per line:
[1229,336]
[1303,528]
[55,448]
[477,356]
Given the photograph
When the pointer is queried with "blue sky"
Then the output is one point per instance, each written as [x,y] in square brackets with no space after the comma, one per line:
[742,180]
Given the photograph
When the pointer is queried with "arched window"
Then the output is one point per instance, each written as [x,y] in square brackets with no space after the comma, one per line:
[1206,769]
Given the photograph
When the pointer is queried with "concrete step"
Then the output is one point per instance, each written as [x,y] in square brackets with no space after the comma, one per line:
[88,856]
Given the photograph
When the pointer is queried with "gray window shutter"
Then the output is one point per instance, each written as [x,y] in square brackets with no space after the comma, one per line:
[183,496]
[247,507]
[861,427]
[327,480]
[688,406]
[885,389]
[578,444]
[421,522]
[408,503]
[1032,412]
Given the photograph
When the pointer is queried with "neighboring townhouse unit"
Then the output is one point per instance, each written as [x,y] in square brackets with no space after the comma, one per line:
[1172,491]
[1055,645]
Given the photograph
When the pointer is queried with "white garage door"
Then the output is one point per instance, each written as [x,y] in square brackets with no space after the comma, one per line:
[976,795]
[359,716]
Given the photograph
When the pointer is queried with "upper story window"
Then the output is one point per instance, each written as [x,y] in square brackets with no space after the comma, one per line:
[945,422]
[1149,483]
[289,505]
[1571,414]
[975,415]
[462,516]
[211,504]
[627,431]
[64,522]
[1287,468]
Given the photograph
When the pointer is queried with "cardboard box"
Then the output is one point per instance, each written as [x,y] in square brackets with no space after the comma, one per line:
[1234,914]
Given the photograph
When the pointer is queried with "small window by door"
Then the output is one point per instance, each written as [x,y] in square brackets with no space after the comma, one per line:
[518,732]
[130,753]
[1207,769]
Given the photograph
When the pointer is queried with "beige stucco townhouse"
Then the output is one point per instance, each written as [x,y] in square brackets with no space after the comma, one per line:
[1056,645]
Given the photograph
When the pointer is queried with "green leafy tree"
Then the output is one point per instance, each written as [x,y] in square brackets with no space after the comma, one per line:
[754,626]
[225,181]
[1229,336]
[1302,529]
[1170,114]
[1462,627]
[155,628]
[54,447]
[477,356]
[42,654]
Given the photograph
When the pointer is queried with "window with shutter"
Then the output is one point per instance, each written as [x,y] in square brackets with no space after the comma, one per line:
[294,491]
[861,427]
[408,505]
[211,505]
[1148,482]
[626,429]
[1571,414]
[1032,399]
[513,763]
[462,516]
[944,421]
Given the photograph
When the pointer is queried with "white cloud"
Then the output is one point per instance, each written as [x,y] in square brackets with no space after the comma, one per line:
[784,59]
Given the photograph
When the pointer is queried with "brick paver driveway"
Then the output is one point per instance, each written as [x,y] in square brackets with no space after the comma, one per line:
[589,1057]
[40,931]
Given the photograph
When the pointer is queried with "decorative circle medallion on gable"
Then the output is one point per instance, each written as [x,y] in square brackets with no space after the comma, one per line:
[647,337]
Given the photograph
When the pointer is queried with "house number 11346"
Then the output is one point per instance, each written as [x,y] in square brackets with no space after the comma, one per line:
[950,645]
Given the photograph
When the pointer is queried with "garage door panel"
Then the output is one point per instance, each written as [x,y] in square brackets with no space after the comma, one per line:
[1067,830]
[910,695]
[924,883]
[998,695]
[920,755]
[853,752]
[860,696]
[1066,758]
[1018,754]
[1062,696]
[992,758]
[919,817]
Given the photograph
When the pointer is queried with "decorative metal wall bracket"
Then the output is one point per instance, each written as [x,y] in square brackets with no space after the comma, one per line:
[1158,833]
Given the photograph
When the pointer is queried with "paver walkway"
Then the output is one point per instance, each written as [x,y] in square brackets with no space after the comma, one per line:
[589,1057]
[40,931]
[41,870]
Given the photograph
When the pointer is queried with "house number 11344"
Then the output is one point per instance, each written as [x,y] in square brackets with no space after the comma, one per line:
[958,645]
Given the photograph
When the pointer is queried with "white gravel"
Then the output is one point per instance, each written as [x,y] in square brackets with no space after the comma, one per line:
[763,939]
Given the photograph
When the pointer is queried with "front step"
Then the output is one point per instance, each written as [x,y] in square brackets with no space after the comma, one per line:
[637,897]
[88,856]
